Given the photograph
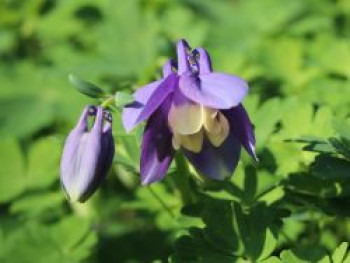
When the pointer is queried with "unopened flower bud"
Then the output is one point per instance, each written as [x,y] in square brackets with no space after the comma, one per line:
[87,154]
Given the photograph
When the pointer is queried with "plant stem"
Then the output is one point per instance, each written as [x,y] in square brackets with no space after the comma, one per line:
[108,101]
[162,203]
[181,179]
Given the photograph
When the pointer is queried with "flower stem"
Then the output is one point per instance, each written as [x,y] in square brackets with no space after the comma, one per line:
[162,203]
[107,102]
[181,179]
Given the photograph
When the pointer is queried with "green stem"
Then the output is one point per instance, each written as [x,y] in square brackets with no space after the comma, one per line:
[108,101]
[162,203]
[181,179]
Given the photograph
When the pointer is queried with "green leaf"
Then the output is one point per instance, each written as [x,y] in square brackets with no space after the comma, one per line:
[85,87]
[342,128]
[258,229]
[234,229]
[193,248]
[264,126]
[305,255]
[340,252]
[23,115]
[276,194]
[69,240]
[12,176]
[34,204]
[221,226]
[283,58]
[271,260]
[314,144]
[2,244]
[342,146]
[43,162]
[347,259]
[339,48]
[123,98]
[323,147]
[327,167]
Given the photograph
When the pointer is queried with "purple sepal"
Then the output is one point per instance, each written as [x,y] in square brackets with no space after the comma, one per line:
[159,95]
[242,127]
[156,150]
[132,111]
[168,68]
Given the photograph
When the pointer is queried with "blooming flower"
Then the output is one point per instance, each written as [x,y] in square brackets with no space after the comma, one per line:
[195,110]
[87,155]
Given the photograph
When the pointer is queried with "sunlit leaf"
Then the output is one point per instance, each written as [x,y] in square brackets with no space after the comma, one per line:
[12,175]
[340,253]
[24,115]
[43,163]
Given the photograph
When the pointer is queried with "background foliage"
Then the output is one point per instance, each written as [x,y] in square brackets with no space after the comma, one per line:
[292,207]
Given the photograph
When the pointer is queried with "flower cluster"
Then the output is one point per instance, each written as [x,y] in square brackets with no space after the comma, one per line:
[195,110]
[191,109]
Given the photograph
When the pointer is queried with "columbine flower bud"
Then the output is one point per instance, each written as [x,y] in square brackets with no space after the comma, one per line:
[87,154]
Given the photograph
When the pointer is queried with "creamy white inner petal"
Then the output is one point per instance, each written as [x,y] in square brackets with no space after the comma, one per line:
[186,119]
[191,142]
[217,128]
[190,122]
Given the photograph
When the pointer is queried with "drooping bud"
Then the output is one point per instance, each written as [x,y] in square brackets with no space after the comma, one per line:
[87,154]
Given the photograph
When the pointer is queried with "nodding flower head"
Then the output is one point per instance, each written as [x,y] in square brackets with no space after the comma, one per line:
[194,110]
[87,154]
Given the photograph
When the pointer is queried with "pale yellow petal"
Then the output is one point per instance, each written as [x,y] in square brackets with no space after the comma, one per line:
[210,122]
[192,142]
[176,142]
[186,119]
[219,130]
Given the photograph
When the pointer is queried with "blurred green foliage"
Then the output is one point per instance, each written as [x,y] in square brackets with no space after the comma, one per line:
[292,207]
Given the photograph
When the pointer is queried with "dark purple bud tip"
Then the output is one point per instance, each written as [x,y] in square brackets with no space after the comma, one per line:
[107,116]
[92,110]
[87,155]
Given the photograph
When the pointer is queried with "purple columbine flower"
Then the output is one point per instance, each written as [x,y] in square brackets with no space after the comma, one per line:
[195,110]
[87,155]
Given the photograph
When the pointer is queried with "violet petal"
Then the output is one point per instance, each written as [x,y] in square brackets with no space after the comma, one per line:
[215,90]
